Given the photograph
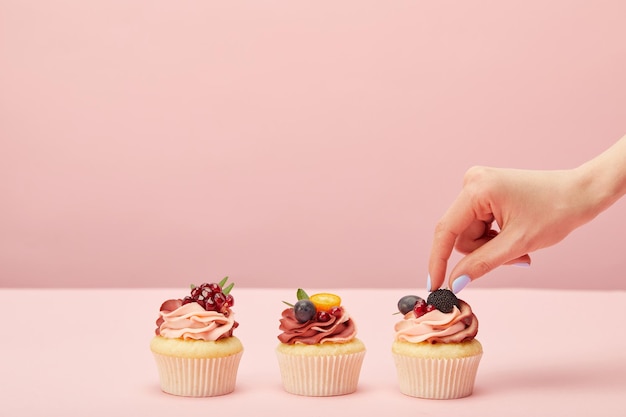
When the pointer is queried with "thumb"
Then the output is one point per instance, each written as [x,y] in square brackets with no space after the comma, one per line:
[501,250]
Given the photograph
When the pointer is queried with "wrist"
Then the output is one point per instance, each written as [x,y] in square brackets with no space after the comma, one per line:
[602,180]
[591,189]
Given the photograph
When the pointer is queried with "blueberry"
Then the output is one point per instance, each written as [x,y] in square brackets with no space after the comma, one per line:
[407,303]
[304,310]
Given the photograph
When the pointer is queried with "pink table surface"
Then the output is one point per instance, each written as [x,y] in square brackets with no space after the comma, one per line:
[85,352]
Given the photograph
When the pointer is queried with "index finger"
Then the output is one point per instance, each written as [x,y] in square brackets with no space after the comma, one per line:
[455,220]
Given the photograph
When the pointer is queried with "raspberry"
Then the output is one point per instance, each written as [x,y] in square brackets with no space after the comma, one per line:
[443,300]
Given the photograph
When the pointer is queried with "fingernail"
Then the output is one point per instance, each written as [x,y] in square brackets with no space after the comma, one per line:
[522,264]
[460,283]
[428,284]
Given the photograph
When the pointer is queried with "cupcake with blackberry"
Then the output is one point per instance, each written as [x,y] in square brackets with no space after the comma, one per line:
[194,347]
[435,347]
[319,354]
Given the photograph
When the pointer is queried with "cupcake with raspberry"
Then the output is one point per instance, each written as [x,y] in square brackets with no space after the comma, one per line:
[319,354]
[435,349]
[194,347]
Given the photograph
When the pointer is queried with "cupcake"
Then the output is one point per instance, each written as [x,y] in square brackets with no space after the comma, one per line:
[435,350]
[319,354]
[194,347]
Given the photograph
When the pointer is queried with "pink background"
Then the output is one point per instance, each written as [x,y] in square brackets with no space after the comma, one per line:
[158,143]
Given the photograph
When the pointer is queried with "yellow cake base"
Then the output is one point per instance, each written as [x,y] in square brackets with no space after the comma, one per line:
[196,348]
[322,349]
[438,350]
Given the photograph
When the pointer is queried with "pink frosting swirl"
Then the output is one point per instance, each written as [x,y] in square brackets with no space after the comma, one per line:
[458,326]
[336,330]
[191,321]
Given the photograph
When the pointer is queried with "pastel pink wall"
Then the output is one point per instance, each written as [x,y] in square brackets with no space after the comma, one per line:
[291,143]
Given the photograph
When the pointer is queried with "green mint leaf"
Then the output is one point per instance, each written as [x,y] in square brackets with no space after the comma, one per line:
[301,294]
[222,282]
[289,304]
[192,286]
[226,290]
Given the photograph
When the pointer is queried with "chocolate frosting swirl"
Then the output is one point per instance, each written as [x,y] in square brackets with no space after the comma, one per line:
[337,329]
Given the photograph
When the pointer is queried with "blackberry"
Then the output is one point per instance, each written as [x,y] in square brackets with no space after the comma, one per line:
[443,300]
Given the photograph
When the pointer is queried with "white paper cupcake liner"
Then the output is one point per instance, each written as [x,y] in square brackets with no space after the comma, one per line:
[436,378]
[193,377]
[320,376]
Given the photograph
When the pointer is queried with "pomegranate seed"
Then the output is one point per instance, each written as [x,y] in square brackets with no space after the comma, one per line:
[230,300]
[219,300]
[215,287]
[336,312]
[209,304]
[188,300]
[420,308]
[323,316]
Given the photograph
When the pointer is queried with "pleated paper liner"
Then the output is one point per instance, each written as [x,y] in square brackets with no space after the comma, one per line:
[436,378]
[320,376]
[198,377]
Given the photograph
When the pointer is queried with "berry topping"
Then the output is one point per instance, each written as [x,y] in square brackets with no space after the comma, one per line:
[321,307]
[407,303]
[304,310]
[196,292]
[443,300]
[325,301]
[420,308]
[219,298]
[230,300]
[323,316]
[336,312]
[212,296]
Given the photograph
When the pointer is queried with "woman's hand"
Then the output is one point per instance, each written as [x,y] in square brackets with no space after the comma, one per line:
[502,215]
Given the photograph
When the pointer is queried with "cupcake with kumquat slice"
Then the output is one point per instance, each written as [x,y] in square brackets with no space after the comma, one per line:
[319,354]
